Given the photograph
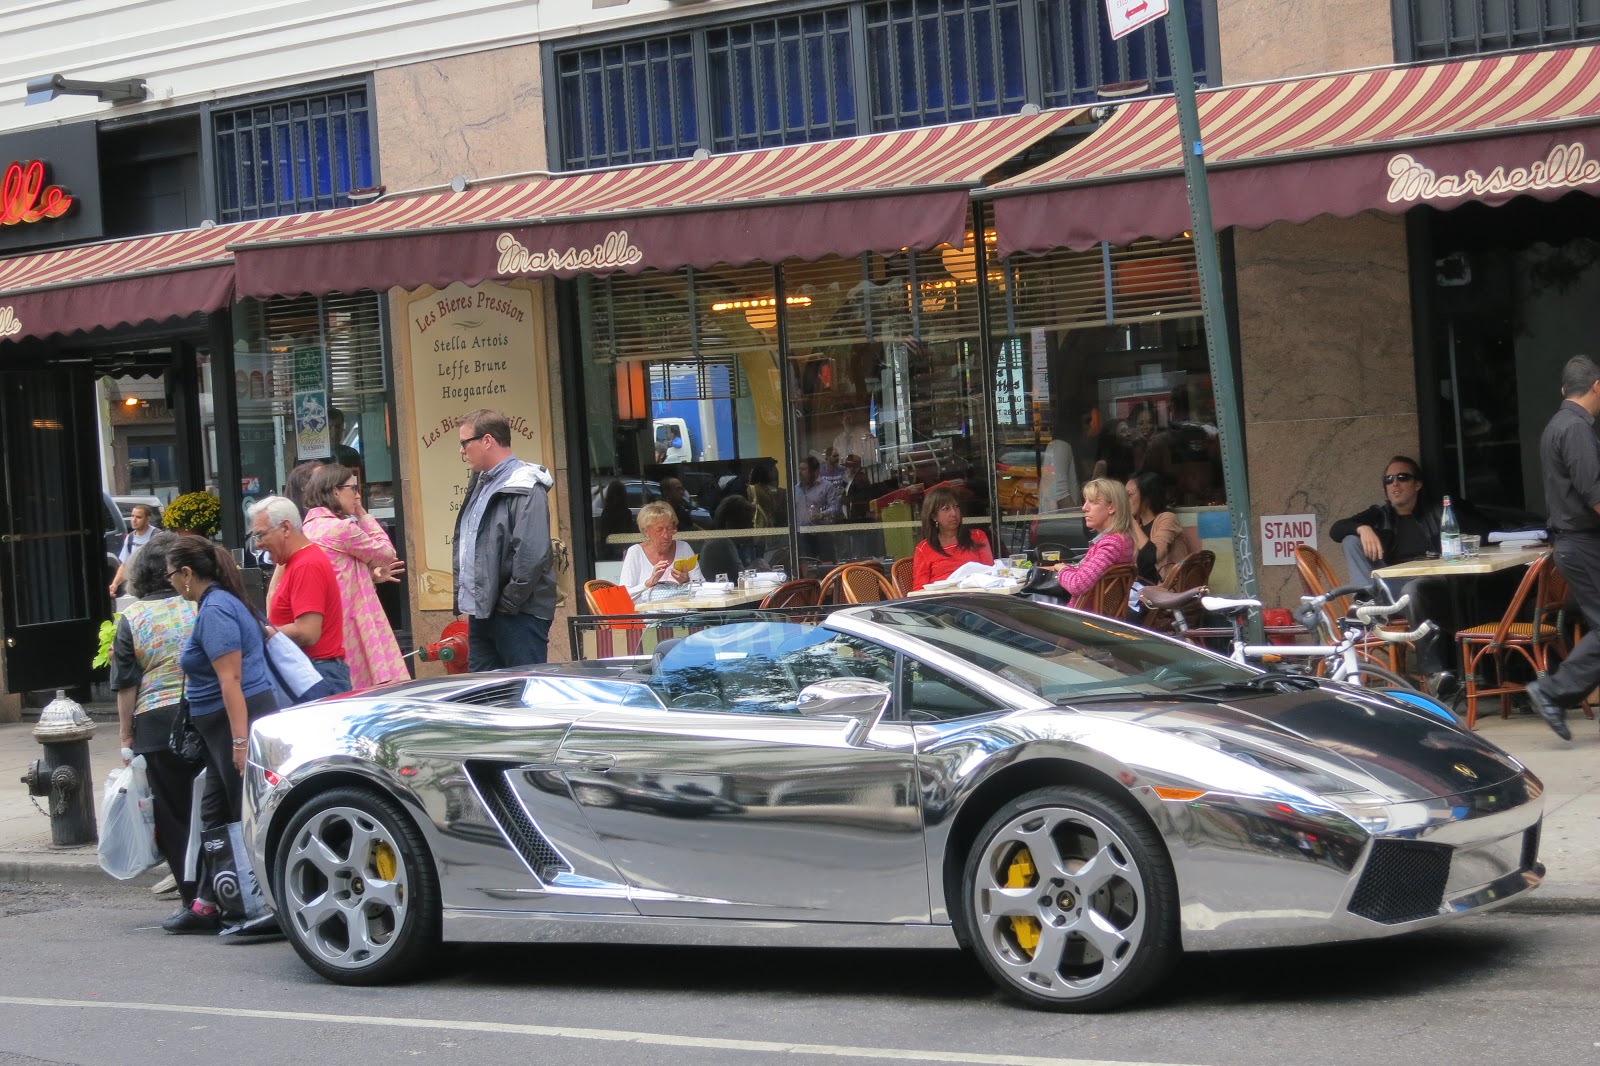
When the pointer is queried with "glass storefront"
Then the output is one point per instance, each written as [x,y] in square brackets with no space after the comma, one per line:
[807,409]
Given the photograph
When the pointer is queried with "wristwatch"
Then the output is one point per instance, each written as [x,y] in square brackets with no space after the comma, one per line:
[240,742]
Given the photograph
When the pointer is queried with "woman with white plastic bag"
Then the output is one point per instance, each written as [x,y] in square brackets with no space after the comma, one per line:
[148,680]
[128,822]
[229,686]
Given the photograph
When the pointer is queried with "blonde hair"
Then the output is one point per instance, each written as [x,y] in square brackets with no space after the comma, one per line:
[656,511]
[1114,493]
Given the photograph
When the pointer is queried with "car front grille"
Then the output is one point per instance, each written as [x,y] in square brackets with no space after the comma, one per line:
[501,799]
[1404,880]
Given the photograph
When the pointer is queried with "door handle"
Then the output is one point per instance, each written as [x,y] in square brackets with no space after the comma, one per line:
[585,760]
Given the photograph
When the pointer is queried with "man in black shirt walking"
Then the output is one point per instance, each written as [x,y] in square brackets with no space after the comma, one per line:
[1569,451]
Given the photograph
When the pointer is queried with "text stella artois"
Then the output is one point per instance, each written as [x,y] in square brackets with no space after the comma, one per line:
[613,252]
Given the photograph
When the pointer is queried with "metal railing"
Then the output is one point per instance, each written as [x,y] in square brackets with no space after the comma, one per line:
[605,636]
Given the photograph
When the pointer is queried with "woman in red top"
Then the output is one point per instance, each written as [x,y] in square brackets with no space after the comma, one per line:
[946,543]
[1105,512]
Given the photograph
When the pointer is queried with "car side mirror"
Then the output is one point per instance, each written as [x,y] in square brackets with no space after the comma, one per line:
[849,699]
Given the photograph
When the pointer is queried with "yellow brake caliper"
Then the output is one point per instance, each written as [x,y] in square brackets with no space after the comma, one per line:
[1020,874]
[383,861]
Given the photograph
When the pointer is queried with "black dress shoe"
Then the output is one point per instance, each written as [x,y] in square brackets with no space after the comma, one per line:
[1443,685]
[185,920]
[1554,716]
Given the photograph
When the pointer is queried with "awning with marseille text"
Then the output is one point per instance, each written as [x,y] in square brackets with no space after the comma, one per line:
[881,192]
[1441,134]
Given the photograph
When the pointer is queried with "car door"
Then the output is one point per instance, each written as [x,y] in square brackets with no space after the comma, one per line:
[730,804]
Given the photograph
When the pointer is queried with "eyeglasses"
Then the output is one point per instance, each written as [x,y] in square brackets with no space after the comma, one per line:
[469,440]
[174,573]
[1402,477]
[354,486]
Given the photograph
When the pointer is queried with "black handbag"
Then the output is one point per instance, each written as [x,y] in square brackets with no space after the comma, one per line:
[184,740]
[1043,582]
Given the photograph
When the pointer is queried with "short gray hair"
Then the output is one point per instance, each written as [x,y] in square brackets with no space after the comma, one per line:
[279,509]
[1578,376]
[147,567]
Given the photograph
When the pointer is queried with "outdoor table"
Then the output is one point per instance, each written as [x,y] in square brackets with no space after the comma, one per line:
[680,602]
[1487,561]
[1010,588]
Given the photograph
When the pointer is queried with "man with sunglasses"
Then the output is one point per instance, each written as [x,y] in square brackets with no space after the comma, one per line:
[1402,528]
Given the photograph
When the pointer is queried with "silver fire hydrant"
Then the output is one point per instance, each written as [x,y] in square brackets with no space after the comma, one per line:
[63,774]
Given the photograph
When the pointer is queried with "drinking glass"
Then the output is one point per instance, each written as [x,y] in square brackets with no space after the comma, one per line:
[722,579]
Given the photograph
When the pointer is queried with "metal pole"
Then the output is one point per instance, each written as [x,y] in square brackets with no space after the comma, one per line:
[1219,347]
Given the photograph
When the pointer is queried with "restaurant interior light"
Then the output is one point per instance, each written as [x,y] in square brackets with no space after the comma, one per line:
[43,90]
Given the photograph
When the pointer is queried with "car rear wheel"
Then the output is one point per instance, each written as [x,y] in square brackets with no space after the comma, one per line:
[1070,902]
[357,893]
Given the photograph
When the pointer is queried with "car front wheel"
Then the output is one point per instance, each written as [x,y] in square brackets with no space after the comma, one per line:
[1070,901]
[357,893]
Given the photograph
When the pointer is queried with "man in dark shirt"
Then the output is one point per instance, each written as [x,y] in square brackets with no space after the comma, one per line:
[1570,455]
[1397,531]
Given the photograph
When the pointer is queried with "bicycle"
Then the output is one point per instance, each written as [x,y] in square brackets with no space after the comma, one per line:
[1340,660]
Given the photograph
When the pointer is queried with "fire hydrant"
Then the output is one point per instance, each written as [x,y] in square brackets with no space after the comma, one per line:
[450,648]
[63,774]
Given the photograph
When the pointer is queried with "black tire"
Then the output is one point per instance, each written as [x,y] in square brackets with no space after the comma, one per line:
[351,920]
[1135,898]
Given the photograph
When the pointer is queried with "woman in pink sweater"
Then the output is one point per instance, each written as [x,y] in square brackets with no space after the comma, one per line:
[361,552]
[1105,512]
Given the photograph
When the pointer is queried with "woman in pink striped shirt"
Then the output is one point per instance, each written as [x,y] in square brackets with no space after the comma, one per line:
[1105,512]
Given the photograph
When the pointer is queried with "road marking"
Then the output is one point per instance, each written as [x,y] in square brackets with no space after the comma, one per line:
[619,1036]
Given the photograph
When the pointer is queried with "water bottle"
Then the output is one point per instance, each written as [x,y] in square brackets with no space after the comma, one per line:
[1449,533]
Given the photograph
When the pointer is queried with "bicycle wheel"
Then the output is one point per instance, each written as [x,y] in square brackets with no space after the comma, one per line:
[1379,678]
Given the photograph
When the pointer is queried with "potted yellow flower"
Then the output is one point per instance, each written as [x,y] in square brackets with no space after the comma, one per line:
[194,512]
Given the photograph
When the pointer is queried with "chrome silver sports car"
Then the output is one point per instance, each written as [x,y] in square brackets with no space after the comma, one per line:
[1073,800]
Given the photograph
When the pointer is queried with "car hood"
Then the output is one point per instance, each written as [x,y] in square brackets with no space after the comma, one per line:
[1395,753]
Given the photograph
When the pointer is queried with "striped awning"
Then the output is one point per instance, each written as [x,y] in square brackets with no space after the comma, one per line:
[1443,134]
[880,192]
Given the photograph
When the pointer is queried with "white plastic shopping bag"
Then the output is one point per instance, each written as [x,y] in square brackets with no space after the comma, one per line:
[128,823]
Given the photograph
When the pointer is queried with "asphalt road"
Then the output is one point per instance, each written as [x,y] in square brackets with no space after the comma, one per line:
[89,978]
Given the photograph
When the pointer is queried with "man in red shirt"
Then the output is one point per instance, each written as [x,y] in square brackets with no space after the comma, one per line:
[303,603]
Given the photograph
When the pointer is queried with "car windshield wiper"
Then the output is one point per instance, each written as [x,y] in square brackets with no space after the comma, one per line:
[1268,682]
[1124,696]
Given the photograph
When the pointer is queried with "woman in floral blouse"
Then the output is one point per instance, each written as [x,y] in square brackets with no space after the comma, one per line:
[1105,512]
[361,553]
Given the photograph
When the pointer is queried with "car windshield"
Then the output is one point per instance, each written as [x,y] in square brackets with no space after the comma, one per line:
[761,666]
[1062,656]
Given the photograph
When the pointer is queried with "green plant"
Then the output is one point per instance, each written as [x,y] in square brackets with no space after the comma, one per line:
[197,512]
[108,633]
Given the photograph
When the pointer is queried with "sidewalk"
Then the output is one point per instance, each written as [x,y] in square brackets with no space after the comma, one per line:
[1570,846]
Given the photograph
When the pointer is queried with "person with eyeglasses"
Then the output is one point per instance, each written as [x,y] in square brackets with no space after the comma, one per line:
[1405,526]
[303,601]
[504,570]
[361,554]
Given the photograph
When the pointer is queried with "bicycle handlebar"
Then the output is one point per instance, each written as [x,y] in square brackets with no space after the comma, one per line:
[1377,612]
[1390,637]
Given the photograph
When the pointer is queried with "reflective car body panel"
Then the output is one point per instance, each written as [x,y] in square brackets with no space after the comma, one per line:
[687,799]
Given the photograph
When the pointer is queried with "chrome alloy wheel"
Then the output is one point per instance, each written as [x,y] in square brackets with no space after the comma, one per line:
[345,887]
[1059,903]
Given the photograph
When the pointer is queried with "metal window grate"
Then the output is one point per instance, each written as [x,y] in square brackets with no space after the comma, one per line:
[304,154]
[932,61]
[781,81]
[1079,56]
[1437,29]
[1403,881]
[628,103]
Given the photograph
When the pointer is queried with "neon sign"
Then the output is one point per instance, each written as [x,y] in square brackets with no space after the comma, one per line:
[25,198]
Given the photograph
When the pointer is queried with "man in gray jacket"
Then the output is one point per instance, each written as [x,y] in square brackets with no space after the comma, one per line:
[505,580]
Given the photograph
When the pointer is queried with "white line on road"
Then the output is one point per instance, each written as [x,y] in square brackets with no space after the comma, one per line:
[570,1033]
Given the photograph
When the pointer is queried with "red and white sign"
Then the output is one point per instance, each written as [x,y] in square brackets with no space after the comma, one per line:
[1125,16]
[1281,532]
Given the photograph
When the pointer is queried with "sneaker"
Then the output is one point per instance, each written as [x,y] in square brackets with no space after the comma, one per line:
[165,885]
[1554,716]
[189,920]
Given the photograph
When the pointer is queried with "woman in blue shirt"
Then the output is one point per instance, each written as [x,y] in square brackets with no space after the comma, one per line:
[228,687]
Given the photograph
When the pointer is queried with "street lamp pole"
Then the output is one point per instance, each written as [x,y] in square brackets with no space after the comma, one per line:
[1219,346]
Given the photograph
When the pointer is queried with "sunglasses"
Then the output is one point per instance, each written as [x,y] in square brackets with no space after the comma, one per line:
[470,440]
[1390,479]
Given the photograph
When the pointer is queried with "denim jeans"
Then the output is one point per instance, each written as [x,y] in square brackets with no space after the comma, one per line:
[507,640]
[335,679]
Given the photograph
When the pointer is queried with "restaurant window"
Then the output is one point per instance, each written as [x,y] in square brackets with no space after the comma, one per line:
[680,375]
[781,81]
[1100,370]
[288,156]
[1439,29]
[937,61]
[1080,56]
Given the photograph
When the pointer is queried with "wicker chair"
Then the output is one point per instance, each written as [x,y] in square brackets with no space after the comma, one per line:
[1317,577]
[1534,640]
[590,588]
[801,592]
[1193,572]
[863,584]
[831,592]
[901,574]
[1108,596]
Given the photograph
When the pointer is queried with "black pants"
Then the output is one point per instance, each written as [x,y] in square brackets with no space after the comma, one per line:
[224,798]
[1577,557]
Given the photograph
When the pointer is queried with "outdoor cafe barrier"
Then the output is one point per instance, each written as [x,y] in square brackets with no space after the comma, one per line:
[604,636]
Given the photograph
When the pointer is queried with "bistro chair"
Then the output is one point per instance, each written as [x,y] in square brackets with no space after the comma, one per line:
[901,575]
[1108,596]
[863,584]
[1317,577]
[1534,640]
[607,597]
[593,590]
[801,592]
[1192,572]
[830,585]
